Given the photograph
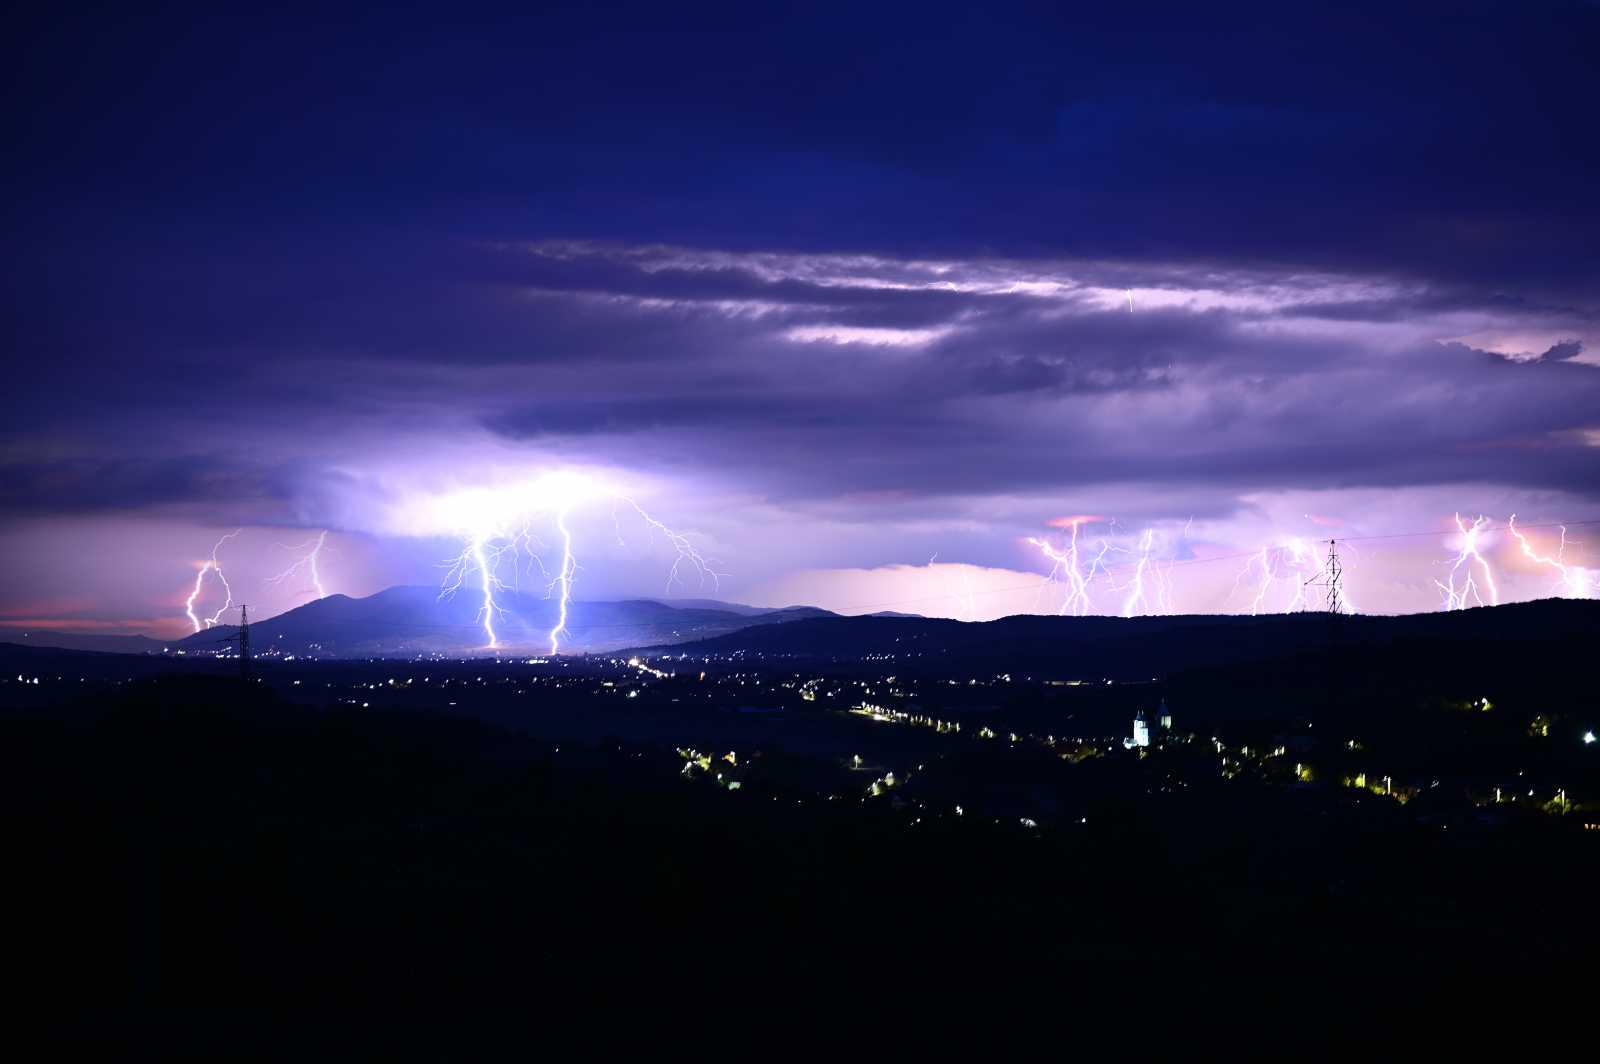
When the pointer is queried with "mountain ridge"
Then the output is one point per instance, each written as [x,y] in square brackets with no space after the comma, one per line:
[1141,647]
[405,620]
[408,619]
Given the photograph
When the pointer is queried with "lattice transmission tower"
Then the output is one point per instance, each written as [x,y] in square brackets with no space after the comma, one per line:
[242,639]
[1329,580]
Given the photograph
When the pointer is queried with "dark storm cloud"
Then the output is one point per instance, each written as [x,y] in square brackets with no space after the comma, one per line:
[629,416]
[1404,305]
[1563,351]
[814,251]
[1433,138]
[1013,396]
[218,482]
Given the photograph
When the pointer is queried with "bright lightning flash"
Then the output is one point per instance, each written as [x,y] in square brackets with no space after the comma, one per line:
[1292,560]
[1468,556]
[563,580]
[1066,565]
[499,524]
[211,565]
[1575,581]
[1295,562]
[1138,598]
[1149,588]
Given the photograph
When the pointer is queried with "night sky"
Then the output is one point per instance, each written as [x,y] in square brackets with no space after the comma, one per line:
[858,298]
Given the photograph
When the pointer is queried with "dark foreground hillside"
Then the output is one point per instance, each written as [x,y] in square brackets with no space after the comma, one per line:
[183,843]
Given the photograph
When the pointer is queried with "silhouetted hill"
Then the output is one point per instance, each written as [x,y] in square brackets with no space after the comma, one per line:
[717,604]
[1141,647]
[110,644]
[22,654]
[403,621]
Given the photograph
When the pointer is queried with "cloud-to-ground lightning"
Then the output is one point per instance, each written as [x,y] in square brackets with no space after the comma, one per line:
[478,559]
[563,581]
[310,550]
[1300,566]
[1575,581]
[211,565]
[1291,560]
[685,552]
[1066,566]
[1265,560]
[1467,557]
[500,523]
[1138,598]
[489,581]
[1150,586]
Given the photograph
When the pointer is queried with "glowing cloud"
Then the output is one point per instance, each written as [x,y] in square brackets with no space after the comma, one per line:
[498,525]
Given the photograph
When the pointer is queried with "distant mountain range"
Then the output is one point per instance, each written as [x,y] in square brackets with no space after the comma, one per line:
[106,644]
[1147,647]
[404,621]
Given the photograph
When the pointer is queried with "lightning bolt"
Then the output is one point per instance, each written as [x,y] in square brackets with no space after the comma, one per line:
[563,581]
[1467,556]
[1575,581]
[1149,590]
[1292,560]
[1065,564]
[1303,563]
[211,565]
[490,583]
[685,551]
[1136,591]
[1163,582]
[478,561]
[307,561]
[504,526]
[1265,560]
[1274,561]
